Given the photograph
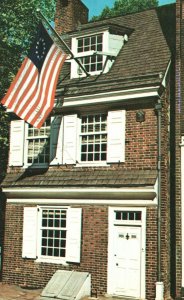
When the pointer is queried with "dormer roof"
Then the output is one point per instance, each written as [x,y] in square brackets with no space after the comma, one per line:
[96,27]
[142,61]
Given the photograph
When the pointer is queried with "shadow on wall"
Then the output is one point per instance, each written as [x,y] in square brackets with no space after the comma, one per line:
[2,228]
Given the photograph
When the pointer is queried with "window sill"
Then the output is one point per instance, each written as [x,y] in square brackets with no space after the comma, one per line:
[92,164]
[52,261]
[76,75]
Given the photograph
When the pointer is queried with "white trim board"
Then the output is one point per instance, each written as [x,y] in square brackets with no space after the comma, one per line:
[148,193]
[111,96]
[53,201]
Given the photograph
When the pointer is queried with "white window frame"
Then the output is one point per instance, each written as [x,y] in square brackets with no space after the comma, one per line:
[105,50]
[64,145]
[111,45]
[80,134]
[72,239]
[32,238]
[27,138]
[109,159]
[89,54]
[39,234]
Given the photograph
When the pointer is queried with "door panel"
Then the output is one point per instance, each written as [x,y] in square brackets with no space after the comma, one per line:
[127,260]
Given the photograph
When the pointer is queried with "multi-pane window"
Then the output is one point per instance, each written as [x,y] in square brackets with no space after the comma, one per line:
[53,232]
[128,215]
[38,144]
[94,138]
[93,62]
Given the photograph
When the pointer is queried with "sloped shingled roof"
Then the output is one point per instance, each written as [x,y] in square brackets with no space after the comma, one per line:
[79,177]
[140,62]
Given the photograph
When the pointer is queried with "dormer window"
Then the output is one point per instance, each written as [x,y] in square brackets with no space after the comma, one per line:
[92,62]
[97,51]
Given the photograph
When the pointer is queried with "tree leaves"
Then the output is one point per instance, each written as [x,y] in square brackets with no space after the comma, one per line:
[122,7]
[18,26]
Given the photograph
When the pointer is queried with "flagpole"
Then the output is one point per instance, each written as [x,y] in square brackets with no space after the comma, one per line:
[63,42]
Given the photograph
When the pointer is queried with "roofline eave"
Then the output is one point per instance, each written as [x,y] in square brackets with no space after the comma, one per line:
[129,193]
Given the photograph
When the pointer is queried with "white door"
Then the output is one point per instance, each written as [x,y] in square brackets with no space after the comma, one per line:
[127,261]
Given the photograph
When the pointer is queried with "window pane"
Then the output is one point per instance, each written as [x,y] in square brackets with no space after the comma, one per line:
[97,156]
[83,157]
[53,239]
[63,243]
[93,67]
[94,146]
[90,148]
[57,234]
[63,234]
[84,148]
[103,147]
[43,252]
[62,253]
[91,43]
[86,41]
[44,242]
[38,144]
[93,40]
[128,215]
[97,147]
[103,156]
[56,243]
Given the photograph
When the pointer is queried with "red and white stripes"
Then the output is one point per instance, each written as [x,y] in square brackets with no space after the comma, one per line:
[31,94]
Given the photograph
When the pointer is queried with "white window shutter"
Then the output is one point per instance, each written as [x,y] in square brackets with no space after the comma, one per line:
[70,139]
[56,140]
[16,154]
[29,232]
[116,136]
[73,241]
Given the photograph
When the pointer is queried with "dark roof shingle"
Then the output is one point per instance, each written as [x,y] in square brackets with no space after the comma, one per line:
[79,177]
[141,61]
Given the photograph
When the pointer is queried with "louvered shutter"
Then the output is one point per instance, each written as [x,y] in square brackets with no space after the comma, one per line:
[73,241]
[116,136]
[56,140]
[16,154]
[29,232]
[70,139]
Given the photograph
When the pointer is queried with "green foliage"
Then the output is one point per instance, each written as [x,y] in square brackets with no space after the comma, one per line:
[122,7]
[18,26]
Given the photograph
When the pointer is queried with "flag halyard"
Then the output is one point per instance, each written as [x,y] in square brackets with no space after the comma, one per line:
[31,94]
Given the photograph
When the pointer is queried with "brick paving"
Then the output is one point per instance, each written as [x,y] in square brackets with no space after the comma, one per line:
[14,292]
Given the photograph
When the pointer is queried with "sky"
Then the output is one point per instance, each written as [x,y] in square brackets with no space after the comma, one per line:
[96,6]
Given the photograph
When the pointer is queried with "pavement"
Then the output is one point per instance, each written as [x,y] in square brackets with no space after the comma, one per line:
[14,292]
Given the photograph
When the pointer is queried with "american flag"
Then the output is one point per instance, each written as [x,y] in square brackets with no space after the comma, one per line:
[32,92]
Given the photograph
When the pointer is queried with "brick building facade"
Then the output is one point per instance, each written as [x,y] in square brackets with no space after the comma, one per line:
[98,197]
[178,157]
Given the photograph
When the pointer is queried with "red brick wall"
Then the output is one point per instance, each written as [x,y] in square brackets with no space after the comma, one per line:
[151,252]
[177,170]
[69,14]
[165,194]
[93,259]
[26,272]
[141,153]
[141,140]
